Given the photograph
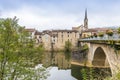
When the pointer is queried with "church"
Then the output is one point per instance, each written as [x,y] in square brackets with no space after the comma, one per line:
[56,39]
[84,27]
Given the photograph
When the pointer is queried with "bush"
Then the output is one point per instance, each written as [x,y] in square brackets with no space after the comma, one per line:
[101,34]
[109,32]
[68,46]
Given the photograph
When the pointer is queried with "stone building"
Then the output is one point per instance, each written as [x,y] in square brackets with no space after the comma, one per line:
[88,33]
[31,32]
[38,38]
[46,41]
[59,37]
[55,39]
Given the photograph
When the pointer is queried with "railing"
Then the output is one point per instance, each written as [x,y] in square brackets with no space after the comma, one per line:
[115,37]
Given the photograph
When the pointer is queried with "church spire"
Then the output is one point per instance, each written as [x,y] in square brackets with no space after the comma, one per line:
[86,20]
[86,13]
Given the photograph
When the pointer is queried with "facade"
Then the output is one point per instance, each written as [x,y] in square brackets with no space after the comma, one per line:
[59,37]
[46,41]
[80,29]
[37,36]
[88,33]
[56,39]
[31,32]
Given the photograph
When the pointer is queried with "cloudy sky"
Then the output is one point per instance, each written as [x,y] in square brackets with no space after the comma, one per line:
[61,14]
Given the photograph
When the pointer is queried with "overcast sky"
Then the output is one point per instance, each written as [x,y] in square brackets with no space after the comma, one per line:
[61,14]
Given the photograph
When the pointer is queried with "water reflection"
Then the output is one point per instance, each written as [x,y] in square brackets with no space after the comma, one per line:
[60,64]
[57,59]
[62,69]
[91,73]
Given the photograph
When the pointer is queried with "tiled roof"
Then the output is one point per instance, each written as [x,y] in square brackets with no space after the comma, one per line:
[64,31]
[38,33]
[96,30]
[90,30]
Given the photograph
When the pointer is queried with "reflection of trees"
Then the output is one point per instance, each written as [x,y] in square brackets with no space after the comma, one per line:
[68,46]
[80,55]
[61,62]
[91,73]
[67,55]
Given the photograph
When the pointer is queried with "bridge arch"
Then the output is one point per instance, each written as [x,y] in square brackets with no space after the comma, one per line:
[110,57]
[100,58]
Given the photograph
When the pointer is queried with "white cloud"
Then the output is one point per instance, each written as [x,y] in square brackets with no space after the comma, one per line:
[32,17]
[101,20]
[39,18]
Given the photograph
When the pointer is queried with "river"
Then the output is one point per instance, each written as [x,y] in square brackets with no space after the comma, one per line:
[62,68]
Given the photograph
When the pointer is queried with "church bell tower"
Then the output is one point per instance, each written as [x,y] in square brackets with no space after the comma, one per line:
[86,20]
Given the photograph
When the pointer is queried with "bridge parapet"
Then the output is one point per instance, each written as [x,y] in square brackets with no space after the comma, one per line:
[111,42]
[116,37]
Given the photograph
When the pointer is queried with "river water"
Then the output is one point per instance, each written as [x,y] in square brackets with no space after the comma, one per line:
[61,68]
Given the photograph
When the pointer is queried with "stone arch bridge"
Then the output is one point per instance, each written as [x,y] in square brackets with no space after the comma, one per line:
[102,55]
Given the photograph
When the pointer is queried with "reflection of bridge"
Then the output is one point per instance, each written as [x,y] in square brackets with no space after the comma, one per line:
[101,53]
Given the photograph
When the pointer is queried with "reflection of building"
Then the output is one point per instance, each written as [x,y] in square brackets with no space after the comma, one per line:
[61,61]
[56,59]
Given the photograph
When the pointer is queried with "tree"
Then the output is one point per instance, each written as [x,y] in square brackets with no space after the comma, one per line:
[85,48]
[118,31]
[95,34]
[109,32]
[17,52]
[100,34]
[68,46]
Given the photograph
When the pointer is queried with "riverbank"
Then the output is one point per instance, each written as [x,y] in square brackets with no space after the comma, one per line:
[81,64]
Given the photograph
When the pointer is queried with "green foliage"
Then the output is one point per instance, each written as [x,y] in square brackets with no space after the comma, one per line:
[68,46]
[109,32]
[67,55]
[114,77]
[87,74]
[84,74]
[17,52]
[118,30]
[85,47]
[91,36]
[100,34]
[95,34]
